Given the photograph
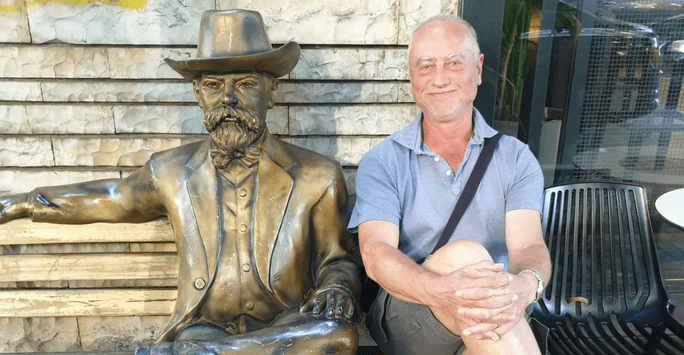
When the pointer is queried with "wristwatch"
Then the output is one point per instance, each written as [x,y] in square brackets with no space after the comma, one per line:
[540,283]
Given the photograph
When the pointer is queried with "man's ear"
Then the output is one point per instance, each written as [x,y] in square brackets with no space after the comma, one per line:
[480,65]
[196,91]
[273,90]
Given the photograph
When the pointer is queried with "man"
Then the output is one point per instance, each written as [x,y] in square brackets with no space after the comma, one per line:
[470,296]
[266,263]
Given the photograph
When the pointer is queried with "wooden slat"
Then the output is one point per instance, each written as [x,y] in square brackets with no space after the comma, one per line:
[56,267]
[24,231]
[80,303]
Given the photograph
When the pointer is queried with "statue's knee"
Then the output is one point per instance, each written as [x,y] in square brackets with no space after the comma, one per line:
[342,337]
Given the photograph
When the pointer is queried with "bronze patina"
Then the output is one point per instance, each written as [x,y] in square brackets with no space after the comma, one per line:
[266,263]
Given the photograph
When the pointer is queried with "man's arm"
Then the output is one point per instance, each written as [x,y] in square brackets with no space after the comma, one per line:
[527,251]
[404,279]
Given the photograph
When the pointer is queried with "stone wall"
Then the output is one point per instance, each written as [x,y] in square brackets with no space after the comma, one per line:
[85,94]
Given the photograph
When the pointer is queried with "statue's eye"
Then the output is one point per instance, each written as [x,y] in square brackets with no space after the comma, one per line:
[212,84]
[248,84]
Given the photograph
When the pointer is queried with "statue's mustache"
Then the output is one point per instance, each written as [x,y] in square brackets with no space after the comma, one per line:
[221,114]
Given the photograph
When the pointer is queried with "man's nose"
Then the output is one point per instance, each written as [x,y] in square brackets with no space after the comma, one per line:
[441,78]
[229,98]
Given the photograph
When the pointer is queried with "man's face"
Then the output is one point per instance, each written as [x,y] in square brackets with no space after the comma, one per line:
[235,106]
[444,71]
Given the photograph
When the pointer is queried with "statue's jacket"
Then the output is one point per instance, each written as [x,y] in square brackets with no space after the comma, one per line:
[300,242]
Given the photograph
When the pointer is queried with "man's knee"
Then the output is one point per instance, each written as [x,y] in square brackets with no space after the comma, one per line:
[457,254]
[342,337]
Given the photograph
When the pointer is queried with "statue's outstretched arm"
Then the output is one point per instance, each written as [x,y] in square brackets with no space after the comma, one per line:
[133,199]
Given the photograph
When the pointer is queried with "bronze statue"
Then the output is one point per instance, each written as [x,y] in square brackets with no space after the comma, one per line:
[266,263]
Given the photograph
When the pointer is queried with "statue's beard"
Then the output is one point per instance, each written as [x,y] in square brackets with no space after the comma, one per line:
[233,129]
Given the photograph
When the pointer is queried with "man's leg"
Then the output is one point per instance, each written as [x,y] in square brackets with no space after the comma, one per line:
[453,256]
[294,333]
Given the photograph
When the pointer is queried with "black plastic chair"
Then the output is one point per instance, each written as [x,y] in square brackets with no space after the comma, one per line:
[606,294]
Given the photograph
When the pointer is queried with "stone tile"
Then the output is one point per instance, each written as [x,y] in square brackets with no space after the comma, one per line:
[348,151]
[18,181]
[413,12]
[61,61]
[354,64]
[57,119]
[180,119]
[110,152]
[14,22]
[114,91]
[143,63]
[159,119]
[119,333]
[20,91]
[159,22]
[25,151]
[38,334]
[350,92]
[348,120]
[53,62]
[325,22]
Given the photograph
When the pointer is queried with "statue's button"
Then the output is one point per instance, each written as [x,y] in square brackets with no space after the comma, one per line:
[243,193]
[243,228]
[200,283]
[245,267]
[249,306]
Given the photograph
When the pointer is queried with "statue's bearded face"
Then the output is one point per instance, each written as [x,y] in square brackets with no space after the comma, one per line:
[235,107]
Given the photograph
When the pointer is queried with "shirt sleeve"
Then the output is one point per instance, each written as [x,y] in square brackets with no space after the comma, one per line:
[527,187]
[377,196]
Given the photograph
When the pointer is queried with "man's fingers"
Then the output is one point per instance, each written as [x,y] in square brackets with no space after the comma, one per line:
[487,265]
[482,331]
[482,314]
[503,295]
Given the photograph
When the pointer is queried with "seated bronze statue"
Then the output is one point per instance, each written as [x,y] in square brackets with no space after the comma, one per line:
[266,263]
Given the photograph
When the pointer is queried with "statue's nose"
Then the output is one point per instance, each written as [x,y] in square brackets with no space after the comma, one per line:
[229,97]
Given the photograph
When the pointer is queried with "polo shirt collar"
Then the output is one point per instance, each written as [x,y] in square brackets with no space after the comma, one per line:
[411,137]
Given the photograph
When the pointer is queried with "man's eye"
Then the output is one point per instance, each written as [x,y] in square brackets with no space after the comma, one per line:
[455,63]
[211,85]
[248,84]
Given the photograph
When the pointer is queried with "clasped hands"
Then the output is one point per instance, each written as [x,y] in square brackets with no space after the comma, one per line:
[487,300]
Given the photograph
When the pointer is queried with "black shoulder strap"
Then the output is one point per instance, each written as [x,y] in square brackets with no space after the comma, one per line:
[469,189]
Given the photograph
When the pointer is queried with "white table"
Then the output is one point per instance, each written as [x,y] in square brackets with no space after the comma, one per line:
[670,206]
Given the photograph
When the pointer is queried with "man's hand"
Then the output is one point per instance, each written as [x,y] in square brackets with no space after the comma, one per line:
[13,207]
[334,302]
[480,288]
[486,322]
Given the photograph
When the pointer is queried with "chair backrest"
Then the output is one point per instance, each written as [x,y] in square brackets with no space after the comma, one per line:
[603,254]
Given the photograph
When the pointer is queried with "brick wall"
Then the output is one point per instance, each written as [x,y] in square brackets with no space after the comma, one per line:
[85,93]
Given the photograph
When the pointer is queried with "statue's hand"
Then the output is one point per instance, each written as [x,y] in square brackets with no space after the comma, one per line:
[14,206]
[333,301]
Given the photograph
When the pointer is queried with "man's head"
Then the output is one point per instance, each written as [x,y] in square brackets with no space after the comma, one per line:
[235,107]
[235,76]
[445,68]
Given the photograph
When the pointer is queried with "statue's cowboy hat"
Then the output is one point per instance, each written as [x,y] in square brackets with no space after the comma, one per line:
[236,41]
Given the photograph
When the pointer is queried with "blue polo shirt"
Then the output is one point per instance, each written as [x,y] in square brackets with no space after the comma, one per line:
[401,181]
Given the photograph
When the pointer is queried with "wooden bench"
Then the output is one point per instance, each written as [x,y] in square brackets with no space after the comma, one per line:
[114,284]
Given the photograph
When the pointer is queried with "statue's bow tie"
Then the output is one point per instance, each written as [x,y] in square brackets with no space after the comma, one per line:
[222,159]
